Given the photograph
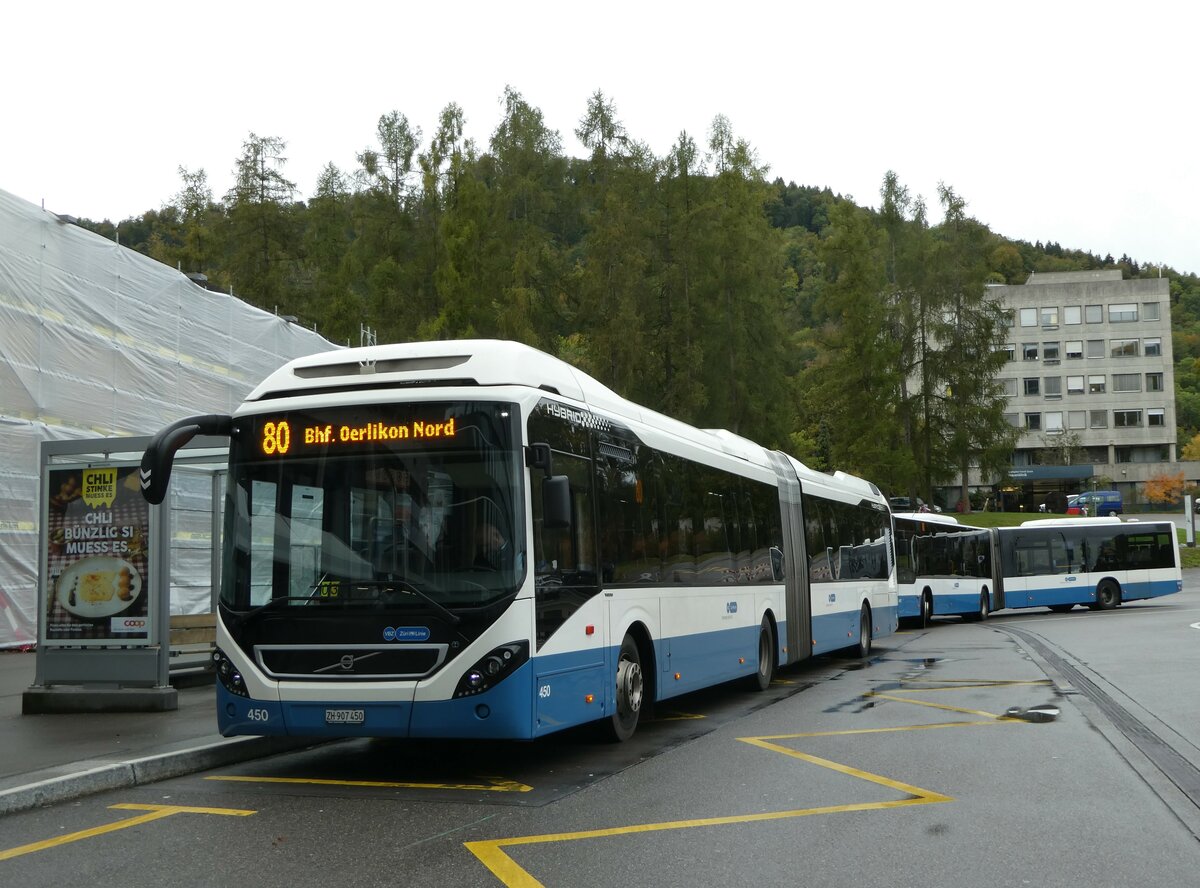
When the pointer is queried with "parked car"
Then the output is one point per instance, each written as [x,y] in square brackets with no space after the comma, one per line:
[1098,503]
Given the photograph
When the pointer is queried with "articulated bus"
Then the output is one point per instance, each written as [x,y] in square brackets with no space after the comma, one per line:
[476,540]
[1096,562]
[943,567]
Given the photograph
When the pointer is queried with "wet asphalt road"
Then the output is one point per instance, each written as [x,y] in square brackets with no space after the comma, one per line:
[902,773]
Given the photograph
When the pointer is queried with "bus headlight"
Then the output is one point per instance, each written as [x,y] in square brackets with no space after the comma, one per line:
[230,679]
[492,668]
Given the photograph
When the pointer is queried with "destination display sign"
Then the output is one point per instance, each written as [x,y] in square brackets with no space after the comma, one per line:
[298,434]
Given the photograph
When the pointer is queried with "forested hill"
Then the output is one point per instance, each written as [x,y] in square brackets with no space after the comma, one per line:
[690,282]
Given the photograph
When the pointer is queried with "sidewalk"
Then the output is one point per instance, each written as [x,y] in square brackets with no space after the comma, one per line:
[50,758]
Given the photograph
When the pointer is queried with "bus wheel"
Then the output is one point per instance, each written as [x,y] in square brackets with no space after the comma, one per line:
[981,613]
[628,702]
[1108,595]
[926,609]
[864,633]
[761,679]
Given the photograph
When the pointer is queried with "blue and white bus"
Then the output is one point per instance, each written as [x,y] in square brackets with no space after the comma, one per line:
[474,539]
[1099,563]
[943,568]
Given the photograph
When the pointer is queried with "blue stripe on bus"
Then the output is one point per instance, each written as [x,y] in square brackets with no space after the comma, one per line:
[1087,594]
[544,695]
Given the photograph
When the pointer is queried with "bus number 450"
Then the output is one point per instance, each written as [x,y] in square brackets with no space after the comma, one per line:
[257,715]
[543,691]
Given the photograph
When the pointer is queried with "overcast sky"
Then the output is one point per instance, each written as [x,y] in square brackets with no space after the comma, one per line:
[1071,122]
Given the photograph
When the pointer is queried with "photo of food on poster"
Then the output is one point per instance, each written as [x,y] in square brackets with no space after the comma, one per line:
[97,527]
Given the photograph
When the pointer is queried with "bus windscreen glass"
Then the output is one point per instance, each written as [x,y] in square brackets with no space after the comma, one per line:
[390,507]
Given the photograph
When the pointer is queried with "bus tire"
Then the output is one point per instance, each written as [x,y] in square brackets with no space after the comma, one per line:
[926,609]
[1108,595]
[863,650]
[981,613]
[627,701]
[761,679]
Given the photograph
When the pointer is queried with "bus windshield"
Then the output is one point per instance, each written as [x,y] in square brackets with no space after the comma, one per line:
[385,507]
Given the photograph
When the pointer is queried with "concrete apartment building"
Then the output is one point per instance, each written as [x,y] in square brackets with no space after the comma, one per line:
[1090,384]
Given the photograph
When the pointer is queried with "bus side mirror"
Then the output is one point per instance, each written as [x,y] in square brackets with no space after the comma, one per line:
[155,470]
[556,502]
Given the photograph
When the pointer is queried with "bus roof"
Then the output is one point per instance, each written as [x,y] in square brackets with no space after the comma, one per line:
[928,517]
[498,362]
[1070,522]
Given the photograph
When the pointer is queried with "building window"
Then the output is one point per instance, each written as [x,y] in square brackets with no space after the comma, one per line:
[1010,352]
[1009,319]
[1156,418]
[1053,386]
[1073,314]
[1074,349]
[1095,348]
[1127,382]
[1119,312]
[1151,311]
[1077,419]
[1031,385]
[1013,419]
[1127,419]
[1010,386]
[1050,317]
[1123,348]
[1153,347]
[1154,382]
[1054,424]
[1093,314]
[1098,419]
[1029,317]
[1050,351]
[1074,385]
[1096,385]
[1033,422]
[1029,351]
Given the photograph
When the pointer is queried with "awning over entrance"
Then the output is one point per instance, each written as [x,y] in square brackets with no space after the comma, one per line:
[1050,473]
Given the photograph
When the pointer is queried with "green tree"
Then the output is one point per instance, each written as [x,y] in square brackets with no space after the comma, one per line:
[261,229]
[746,285]
[911,313]
[850,388]
[968,425]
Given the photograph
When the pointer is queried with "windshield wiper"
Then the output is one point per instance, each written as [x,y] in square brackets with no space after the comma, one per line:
[406,586]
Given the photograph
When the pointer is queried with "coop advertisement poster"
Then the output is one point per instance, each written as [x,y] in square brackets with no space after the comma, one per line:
[97,526]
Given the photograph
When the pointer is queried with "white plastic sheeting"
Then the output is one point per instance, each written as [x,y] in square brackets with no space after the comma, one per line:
[98,340]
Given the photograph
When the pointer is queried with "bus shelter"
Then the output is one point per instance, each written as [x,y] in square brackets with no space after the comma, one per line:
[115,573]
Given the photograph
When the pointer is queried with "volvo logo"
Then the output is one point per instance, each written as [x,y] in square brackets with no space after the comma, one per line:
[347,662]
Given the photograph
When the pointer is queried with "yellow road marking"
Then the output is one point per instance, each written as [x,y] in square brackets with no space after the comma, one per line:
[154,812]
[931,705]
[494,784]
[491,854]
[678,716]
[960,684]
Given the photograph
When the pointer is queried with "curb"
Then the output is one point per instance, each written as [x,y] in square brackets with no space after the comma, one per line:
[87,777]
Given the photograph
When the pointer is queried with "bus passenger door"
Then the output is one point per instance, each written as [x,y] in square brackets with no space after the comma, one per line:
[570,680]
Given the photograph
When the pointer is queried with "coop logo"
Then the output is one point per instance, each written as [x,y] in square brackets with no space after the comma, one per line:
[129,624]
[406,633]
